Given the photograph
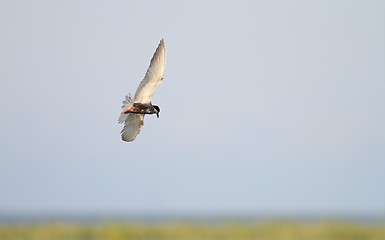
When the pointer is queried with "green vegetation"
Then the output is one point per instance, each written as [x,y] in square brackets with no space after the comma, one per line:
[263,230]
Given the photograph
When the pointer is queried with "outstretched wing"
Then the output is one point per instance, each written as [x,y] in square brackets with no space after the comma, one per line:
[153,77]
[132,126]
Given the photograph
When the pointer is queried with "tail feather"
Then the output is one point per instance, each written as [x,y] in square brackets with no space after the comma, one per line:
[127,103]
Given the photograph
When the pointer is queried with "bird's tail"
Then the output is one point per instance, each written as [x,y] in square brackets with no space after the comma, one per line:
[127,104]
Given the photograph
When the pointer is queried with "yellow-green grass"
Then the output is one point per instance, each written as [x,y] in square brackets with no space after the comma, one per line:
[263,230]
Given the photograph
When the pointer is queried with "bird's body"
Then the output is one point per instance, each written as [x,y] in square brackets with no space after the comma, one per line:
[135,108]
[141,108]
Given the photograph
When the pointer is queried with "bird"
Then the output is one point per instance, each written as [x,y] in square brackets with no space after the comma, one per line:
[135,108]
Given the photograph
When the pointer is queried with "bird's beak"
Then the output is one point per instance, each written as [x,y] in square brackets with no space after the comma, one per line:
[157,115]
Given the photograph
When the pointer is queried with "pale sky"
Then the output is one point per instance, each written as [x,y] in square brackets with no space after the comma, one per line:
[267,107]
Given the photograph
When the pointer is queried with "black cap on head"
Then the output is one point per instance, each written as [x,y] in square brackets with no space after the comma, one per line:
[157,110]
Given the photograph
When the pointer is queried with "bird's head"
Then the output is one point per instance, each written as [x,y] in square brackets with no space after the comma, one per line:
[157,110]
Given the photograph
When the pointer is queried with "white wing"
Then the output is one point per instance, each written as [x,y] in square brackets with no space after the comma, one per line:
[132,126]
[153,77]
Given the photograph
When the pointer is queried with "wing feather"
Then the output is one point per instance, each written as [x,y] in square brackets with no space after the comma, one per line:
[153,77]
[132,126]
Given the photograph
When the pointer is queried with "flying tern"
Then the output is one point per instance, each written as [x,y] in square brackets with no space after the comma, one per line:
[134,108]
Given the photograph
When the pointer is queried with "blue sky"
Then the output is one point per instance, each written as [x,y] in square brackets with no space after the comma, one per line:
[267,107]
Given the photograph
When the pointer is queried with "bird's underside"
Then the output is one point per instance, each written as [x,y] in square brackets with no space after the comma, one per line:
[141,108]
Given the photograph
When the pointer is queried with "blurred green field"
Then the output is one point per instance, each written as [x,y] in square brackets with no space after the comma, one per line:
[195,230]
